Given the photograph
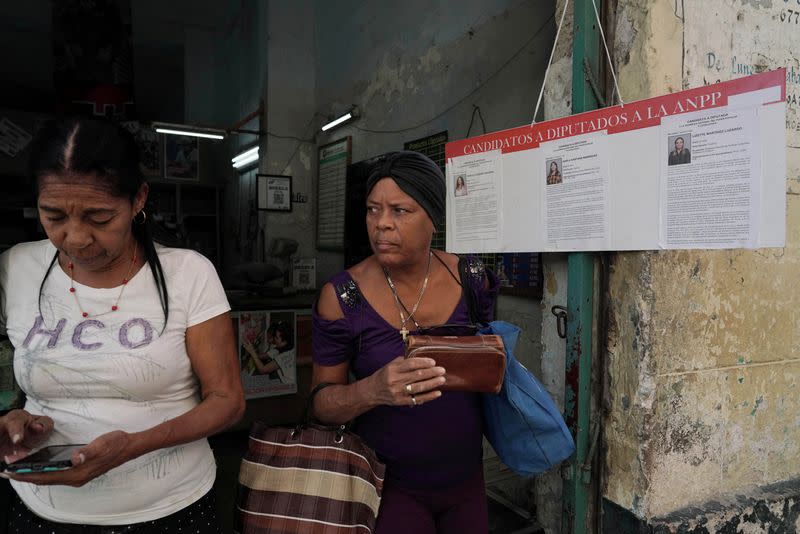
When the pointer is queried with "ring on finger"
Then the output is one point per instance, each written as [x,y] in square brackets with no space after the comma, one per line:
[413,400]
[409,390]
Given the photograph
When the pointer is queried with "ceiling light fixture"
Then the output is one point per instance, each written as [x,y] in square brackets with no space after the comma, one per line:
[191,131]
[245,158]
[352,114]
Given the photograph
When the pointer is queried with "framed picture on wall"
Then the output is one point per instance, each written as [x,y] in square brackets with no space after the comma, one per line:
[268,350]
[274,192]
[182,158]
[334,159]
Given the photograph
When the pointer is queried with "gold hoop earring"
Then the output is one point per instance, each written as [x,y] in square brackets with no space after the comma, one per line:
[141,220]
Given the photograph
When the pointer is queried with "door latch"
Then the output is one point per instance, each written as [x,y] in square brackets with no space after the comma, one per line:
[561,320]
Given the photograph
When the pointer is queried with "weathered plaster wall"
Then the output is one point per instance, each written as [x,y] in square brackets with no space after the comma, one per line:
[290,102]
[703,345]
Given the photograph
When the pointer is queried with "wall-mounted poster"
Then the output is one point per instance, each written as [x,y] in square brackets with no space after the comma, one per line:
[10,395]
[149,142]
[703,168]
[93,57]
[149,152]
[332,193]
[274,192]
[304,273]
[182,157]
[267,352]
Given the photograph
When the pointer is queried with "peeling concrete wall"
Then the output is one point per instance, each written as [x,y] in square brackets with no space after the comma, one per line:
[703,345]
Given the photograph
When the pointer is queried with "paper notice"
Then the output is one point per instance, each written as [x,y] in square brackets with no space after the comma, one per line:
[709,187]
[474,190]
[575,182]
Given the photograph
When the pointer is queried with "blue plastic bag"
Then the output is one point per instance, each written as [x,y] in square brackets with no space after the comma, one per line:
[523,424]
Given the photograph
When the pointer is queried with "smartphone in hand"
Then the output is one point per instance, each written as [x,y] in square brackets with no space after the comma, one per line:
[52,458]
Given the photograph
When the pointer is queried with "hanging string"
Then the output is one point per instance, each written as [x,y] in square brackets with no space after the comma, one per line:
[549,62]
[552,52]
[608,54]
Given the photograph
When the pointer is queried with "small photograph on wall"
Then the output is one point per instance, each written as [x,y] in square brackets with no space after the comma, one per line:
[267,352]
[182,157]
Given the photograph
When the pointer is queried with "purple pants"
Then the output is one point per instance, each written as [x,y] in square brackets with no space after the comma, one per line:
[457,510]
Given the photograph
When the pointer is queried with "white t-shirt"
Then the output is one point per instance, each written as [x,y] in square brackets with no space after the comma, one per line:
[117,371]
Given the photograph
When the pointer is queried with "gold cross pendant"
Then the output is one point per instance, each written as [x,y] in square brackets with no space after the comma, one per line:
[404,333]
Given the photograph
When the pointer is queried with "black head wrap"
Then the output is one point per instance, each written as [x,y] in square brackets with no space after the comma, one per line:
[418,177]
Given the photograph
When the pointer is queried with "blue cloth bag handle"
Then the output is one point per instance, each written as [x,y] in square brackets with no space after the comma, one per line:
[523,424]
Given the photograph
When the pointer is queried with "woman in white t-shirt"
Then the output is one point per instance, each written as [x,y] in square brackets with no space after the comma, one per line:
[119,343]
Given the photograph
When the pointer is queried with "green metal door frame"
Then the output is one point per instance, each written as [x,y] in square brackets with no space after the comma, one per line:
[580,292]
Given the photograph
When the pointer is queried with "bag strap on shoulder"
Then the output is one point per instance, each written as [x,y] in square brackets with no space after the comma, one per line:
[468,290]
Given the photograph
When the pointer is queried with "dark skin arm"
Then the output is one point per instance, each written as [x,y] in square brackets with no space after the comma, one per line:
[343,402]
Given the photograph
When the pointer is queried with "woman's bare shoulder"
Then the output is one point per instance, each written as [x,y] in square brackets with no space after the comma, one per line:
[451,260]
[328,305]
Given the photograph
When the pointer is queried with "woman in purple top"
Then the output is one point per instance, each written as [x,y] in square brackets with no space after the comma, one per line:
[430,441]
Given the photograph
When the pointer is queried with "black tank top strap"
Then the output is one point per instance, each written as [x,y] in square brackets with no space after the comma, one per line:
[446,267]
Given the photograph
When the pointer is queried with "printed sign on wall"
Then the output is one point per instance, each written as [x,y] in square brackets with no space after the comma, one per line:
[702,168]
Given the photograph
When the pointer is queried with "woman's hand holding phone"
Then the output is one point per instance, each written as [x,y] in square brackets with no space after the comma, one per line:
[88,462]
[21,432]
[46,459]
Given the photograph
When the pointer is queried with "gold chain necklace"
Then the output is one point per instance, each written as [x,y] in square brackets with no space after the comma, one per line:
[115,306]
[399,303]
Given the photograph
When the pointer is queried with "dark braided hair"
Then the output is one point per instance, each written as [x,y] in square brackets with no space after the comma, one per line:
[106,152]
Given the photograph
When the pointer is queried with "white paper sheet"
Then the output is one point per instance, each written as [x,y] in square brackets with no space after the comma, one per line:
[475,201]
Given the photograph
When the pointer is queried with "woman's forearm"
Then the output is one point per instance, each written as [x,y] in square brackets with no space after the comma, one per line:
[338,404]
[215,413]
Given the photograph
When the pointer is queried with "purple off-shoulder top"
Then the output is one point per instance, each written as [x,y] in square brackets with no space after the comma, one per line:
[435,445]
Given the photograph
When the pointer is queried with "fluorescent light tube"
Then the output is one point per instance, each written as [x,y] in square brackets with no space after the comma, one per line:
[190,133]
[246,154]
[346,117]
[245,161]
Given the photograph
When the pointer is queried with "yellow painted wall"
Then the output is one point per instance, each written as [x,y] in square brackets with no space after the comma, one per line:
[704,347]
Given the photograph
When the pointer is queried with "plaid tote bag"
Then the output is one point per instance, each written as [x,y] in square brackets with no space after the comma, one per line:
[308,478]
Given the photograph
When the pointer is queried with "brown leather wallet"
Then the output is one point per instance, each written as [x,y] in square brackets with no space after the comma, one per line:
[473,363]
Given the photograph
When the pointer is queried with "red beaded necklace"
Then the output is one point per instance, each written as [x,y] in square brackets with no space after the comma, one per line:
[114,306]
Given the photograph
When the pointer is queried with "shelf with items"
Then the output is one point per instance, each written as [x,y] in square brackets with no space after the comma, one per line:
[187,216]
